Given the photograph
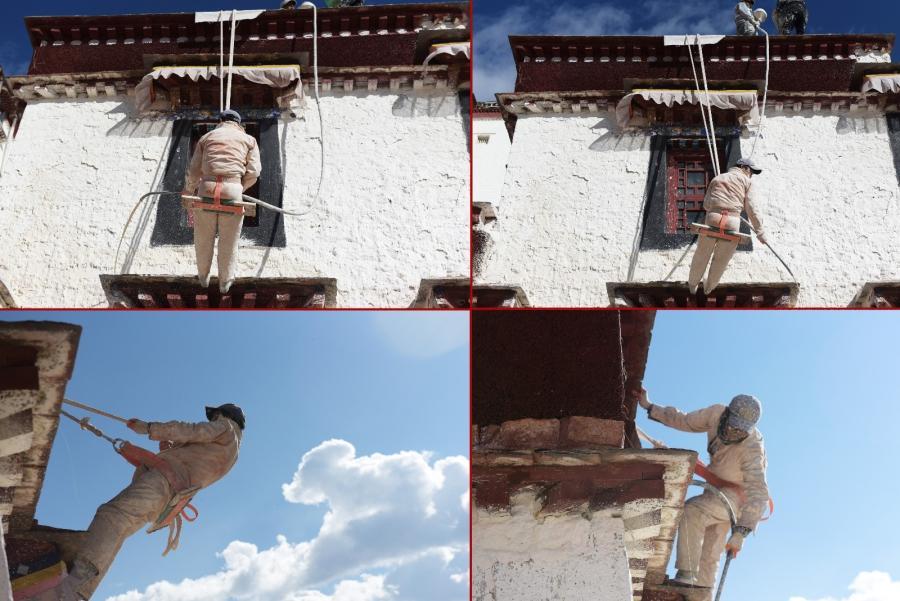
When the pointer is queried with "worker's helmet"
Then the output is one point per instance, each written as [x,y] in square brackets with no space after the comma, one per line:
[230,115]
[288,3]
[751,164]
[743,412]
[760,15]
[229,410]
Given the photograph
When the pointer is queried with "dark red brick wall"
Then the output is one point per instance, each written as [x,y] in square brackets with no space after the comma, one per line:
[546,364]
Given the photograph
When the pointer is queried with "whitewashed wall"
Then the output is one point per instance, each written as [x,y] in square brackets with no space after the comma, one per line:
[517,557]
[830,202]
[489,158]
[394,206]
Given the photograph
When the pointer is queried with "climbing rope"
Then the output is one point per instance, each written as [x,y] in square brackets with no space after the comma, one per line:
[762,116]
[769,246]
[177,509]
[709,135]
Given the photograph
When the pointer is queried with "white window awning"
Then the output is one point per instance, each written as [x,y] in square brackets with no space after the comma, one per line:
[885,83]
[450,49]
[743,101]
[284,78]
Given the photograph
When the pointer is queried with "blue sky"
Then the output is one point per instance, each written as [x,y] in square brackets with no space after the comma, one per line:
[15,49]
[495,20]
[392,385]
[830,388]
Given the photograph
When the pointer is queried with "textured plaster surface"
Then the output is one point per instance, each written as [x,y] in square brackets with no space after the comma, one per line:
[518,557]
[393,208]
[574,188]
[489,158]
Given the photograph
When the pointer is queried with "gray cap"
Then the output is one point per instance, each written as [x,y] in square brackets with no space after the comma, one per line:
[751,164]
[230,115]
[743,412]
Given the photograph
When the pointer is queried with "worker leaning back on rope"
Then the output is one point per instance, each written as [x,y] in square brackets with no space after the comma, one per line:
[195,455]
[737,456]
[225,163]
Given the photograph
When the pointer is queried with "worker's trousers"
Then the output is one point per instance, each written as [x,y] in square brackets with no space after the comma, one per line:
[702,535]
[745,28]
[206,223]
[721,252]
[141,502]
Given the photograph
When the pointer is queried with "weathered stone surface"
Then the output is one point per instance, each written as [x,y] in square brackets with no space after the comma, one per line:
[591,432]
[527,434]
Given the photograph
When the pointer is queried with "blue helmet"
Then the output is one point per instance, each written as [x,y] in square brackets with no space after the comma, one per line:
[230,115]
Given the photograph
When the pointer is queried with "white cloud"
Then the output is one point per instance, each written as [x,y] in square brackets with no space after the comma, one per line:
[494,67]
[868,586]
[396,527]
[422,334]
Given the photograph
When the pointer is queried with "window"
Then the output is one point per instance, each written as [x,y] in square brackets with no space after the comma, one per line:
[680,171]
[689,173]
[267,228]
[893,120]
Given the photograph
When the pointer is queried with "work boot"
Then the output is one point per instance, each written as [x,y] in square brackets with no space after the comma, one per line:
[225,286]
[684,578]
[204,280]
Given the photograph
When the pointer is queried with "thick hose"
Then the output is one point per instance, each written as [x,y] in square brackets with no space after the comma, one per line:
[318,103]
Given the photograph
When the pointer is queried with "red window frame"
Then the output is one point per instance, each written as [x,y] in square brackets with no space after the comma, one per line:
[688,173]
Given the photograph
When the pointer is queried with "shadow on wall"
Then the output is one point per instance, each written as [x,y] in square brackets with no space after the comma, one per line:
[132,125]
[612,140]
[426,105]
[861,125]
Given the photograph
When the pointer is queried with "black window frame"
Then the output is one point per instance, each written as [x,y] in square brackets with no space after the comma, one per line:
[893,124]
[654,235]
[172,228]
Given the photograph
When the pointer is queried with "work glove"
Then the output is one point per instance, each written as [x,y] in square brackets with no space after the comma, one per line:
[761,237]
[138,426]
[643,399]
[734,544]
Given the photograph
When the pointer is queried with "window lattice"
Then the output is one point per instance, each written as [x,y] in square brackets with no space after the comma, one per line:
[689,173]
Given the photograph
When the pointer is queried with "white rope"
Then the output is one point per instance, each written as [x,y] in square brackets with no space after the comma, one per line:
[230,59]
[712,127]
[221,63]
[702,107]
[762,116]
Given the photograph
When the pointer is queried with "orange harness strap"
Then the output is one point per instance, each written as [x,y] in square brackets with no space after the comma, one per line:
[172,517]
[704,472]
[216,204]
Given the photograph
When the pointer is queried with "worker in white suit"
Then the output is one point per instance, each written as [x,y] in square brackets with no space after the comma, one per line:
[727,196]
[738,457]
[225,163]
[194,456]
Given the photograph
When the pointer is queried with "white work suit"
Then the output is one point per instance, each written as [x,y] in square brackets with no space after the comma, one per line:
[744,21]
[705,523]
[232,155]
[726,197]
[202,454]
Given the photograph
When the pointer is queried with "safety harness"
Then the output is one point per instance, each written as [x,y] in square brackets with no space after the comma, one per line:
[719,232]
[234,207]
[179,507]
